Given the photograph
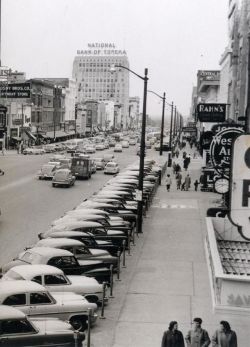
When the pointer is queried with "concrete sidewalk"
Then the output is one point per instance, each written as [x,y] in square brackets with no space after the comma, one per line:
[167,276]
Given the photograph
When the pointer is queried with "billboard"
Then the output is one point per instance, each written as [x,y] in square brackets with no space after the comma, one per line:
[15,91]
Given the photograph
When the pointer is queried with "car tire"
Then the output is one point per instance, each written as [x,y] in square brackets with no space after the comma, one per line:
[53,185]
[79,323]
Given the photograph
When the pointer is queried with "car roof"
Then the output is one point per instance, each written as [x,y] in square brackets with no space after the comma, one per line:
[93,203]
[30,271]
[83,211]
[67,233]
[9,312]
[49,251]
[58,242]
[75,224]
[8,288]
[63,170]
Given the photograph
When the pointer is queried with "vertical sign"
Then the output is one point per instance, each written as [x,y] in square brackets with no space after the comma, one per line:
[240,185]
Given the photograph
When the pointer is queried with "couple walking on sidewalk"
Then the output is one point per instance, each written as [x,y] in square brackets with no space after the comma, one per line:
[185,185]
[198,337]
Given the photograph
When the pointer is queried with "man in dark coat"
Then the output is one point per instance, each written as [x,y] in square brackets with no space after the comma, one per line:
[172,337]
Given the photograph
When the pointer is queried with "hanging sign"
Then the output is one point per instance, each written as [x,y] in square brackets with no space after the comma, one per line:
[211,112]
[240,186]
[221,150]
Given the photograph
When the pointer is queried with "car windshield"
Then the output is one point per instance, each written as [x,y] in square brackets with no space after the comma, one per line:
[111,164]
[61,175]
[13,275]
[47,168]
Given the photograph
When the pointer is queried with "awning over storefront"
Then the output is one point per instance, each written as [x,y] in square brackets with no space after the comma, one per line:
[30,135]
[57,134]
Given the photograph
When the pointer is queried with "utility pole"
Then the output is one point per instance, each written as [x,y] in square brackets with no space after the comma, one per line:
[247,114]
[171,126]
[162,121]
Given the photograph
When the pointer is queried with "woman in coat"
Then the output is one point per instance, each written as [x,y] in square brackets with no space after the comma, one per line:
[224,337]
[172,337]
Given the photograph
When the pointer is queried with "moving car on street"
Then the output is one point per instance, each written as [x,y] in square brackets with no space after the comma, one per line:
[111,168]
[47,172]
[17,330]
[81,167]
[100,163]
[118,148]
[63,177]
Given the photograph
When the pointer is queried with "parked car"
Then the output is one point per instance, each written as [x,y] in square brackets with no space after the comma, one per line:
[17,330]
[47,171]
[90,149]
[63,177]
[62,259]
[34,150]
[132,142]
[92,166]
[100,163]
[55,280]
[118,148]
[49,148]
[79,249]
[34,300]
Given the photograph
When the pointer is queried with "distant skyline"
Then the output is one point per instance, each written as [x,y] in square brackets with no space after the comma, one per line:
[172,38]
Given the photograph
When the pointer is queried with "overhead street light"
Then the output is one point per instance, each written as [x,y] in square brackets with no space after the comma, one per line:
[142,150]
[162,117]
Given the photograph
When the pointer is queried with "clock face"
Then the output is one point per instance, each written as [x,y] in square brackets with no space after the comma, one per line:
[221,185]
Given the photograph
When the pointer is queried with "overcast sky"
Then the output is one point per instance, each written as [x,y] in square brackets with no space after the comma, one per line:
[172,38]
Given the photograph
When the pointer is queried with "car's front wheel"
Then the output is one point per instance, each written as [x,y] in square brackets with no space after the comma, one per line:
[79,323]
[53,185]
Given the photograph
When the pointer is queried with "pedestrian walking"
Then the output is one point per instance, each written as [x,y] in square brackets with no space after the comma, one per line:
[178,178]
[187,182]
[177,168]
[177,153]
[196,183]
[198,337]
[185,163]
[3,150]
[174,167]
[184,154]
[224,336]
[168,182]
[183,186]
[172,337]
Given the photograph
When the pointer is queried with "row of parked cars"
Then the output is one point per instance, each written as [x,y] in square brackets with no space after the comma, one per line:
[47,291]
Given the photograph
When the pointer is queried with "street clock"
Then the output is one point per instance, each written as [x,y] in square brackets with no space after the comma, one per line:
[221,185]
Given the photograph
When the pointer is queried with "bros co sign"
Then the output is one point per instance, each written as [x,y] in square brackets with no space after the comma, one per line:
[240,186]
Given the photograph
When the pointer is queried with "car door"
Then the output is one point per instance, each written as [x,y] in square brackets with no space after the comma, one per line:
[41,304]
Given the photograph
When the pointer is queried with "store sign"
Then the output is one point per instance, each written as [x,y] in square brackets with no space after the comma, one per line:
[101,49]
[208,75]
[240,187]
[221,150]
[223,126]
[189,130]
[211,112]
[15,91]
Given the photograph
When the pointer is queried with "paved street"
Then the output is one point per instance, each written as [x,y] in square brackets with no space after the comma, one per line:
[29,205]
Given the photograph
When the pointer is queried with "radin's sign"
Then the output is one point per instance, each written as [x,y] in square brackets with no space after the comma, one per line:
[221,150]
[211,112]
[240,186]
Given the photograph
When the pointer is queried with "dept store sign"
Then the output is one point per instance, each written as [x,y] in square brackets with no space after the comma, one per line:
[221,150]
[101,49]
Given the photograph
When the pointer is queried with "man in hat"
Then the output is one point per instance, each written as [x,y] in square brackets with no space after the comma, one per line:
[198,337]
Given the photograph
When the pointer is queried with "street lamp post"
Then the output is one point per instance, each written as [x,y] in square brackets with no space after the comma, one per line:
[142,151]
[162,118]
[171,126]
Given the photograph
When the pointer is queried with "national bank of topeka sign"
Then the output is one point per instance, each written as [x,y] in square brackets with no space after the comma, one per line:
[101,49]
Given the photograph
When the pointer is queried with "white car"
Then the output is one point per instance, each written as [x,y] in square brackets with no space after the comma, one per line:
[125,144]
[111,168]
[34,300]
[54,280]
[118,148]
[90,149]
[99,147]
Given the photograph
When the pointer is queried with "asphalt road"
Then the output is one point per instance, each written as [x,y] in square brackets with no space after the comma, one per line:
[29,205]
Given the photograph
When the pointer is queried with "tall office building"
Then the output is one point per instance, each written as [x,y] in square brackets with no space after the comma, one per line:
[95,81]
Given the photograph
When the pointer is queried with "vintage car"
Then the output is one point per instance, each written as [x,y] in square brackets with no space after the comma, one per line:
[54,280]
[47,171]
[87,238]
[100,163]
[63,177]
[17,330]
[35,301]
[125,144]
[34,150]
[111,168]
[100,147]
[89,149]
[80,250]
[62,259]
[118,148]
